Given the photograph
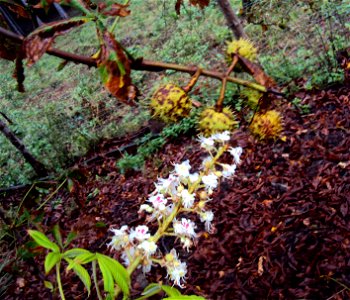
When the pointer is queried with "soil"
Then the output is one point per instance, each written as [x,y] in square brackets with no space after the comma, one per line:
[281,227]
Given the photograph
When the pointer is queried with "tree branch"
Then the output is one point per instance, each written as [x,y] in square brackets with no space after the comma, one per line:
[38,167]
[146,65]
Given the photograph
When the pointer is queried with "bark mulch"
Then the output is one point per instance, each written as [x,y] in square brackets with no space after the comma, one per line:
[281,227]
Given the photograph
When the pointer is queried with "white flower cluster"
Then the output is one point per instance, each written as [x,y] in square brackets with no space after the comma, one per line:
[133,242]
[181,193]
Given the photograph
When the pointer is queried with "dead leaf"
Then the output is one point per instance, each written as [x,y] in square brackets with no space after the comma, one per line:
[257,72]
[40,40]
[260,265]
[114,67]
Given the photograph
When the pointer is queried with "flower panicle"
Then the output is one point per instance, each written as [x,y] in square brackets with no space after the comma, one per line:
[182,192]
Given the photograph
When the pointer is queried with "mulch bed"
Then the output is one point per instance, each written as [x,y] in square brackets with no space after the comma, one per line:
[282,224]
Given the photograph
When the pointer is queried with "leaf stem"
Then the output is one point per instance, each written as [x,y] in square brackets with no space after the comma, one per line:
[59,283]
[94,275]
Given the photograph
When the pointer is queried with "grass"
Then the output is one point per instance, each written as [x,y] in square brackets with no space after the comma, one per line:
[65,113]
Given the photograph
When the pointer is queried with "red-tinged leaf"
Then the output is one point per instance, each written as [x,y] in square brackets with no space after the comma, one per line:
[257,72]
[114,67]
[114,10]
[178,6]
[201,3]
[40,40]
[19,10]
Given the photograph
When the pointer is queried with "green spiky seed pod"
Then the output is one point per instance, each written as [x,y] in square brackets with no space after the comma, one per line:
[251,97]
[170,103]
[267,125]
[211,121]
[242,47]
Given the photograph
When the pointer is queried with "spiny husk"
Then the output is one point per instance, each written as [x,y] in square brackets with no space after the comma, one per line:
[170,103]
[267,125]
[211,121]
[251,97]
[242,47]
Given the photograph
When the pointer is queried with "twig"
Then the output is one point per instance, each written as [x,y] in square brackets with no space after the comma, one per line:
[219,103]
[145,65]
[52,194]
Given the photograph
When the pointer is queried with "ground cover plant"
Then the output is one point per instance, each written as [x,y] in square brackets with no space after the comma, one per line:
[278,228]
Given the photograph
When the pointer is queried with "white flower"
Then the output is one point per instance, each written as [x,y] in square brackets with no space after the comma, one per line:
[207,217]
[193,177]
[221,137]
[127,255]
[206,162]
[168,185]
[236,153]
[140,233]
[187,198]
[210,181]
[228,170]
[146,265]
[120,238]
[177,273]
[184,228]
[183,169]
[148,247]
[186,242]
[206,143]
[145,207]
[158,201]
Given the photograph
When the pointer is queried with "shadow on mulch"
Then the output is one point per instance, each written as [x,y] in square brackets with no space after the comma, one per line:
[282,225]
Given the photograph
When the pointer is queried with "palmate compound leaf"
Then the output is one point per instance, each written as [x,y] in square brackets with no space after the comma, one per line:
[43,241]
[113,272]
[40,40]
[81,272]
[51,260]
[114,67]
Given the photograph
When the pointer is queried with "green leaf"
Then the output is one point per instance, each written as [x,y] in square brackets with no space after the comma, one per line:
[51,260]
[72,253]
[70,185]
[108,283]
[81,259]
[48,285]
[43,241]
[82,274]
[119,273]
[150,290]
[71,236]
[57,234]
[170,291]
